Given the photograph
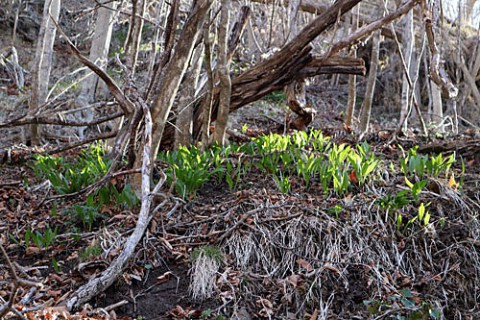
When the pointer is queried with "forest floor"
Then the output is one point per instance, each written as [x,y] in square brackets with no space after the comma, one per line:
[299,254]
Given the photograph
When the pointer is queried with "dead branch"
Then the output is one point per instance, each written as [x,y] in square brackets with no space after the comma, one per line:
[437,71]
[39,119]
[108,277]
[124,102]
[16,282]
[370,28]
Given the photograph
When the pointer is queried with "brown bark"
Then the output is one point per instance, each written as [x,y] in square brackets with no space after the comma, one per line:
[437,72]
[223,72]
[173,72]
[237,30]
[369,91]
[135,34]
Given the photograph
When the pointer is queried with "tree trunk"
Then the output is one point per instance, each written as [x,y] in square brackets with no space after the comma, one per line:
[99,55]
[223,67]
[409,43]
[436,116]
[352,79]
[135,34]
[186,99]
[43,57]
[372,78]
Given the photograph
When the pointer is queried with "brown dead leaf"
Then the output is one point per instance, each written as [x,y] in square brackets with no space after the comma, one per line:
[295,280]
[305,264]
[32,251]
[267,307]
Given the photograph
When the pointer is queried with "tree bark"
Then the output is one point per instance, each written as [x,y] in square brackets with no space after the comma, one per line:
[43,57]
[186,99]
[135,35]
[409,43]
[99,55]
[370,90]
[223,67]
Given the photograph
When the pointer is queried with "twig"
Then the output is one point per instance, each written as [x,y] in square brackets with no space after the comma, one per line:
[17,282]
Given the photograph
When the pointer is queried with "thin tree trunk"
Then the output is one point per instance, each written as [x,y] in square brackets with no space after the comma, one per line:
[186,99]
[99,55]
[43,57]
[352,79]
[436,115]
[206,104]
[223,68]
[409,42]
[372,78]
[135,36]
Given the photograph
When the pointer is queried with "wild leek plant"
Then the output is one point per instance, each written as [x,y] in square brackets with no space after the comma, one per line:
[188,169]
[421,165]
[69,176]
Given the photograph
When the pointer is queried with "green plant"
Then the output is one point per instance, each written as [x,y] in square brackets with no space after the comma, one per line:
[72,176]
[283,183]
[318,141]
[91,251]
[300,139]
[403,306]
[234,172]
[307,166]
[438,164]
[86,214]
[188,170]
[423,216]
[393,203]
[416,188]
[363,162]
[41,240]
[208,251]
[336,210]
[339,167]
[109,195]
[415,164]
[56,266]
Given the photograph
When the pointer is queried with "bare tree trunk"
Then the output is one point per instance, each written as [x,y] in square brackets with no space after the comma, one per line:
[352,79]
[436,116]
[409,43]
[99,55]
[186,99]
[43,57]
[372,78]
[223,68]
[171,76]
[206,104]
[135,34]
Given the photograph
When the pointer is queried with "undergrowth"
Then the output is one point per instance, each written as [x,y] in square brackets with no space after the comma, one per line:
[69,176]
[399,193]
[303,162]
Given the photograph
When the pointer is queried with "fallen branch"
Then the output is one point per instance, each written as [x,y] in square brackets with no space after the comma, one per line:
[108,277]
[29,119]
